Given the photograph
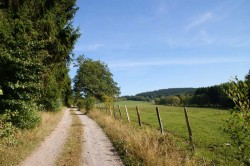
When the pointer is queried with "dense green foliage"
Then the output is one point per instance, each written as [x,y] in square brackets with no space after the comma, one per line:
[167,92]
[7,131]
[213,96]
[238,124]
[93,79]
[36,39]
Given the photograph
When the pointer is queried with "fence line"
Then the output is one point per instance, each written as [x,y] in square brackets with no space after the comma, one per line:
[120,116]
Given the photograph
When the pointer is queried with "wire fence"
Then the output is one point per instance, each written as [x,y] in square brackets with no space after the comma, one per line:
[201,129]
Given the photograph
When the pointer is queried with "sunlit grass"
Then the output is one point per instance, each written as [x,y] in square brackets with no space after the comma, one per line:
[71,154]
[206,123]
[28,140]
[142,146]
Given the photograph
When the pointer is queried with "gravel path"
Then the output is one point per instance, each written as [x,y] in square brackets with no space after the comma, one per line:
[49,150]
[98,150]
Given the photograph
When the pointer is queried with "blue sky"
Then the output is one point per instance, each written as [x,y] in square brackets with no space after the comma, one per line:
[159,44]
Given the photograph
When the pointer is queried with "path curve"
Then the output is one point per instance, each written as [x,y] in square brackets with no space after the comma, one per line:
[50,149]
[98,150]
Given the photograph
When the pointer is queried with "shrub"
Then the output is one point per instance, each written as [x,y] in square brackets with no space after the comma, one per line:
[238,124]
[89,103]
[80,103]
[25,118]
[7,130]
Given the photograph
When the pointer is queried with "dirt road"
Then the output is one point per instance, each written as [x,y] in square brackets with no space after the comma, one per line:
[98,150]
[50,149]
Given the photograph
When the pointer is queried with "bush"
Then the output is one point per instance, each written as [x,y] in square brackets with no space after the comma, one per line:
[108,101]
[238,124]
[25,118]
[7,130]
[80,103]
[89,103]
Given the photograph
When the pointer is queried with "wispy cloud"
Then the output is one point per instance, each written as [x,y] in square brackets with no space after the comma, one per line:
[200,20]
[200,38]
[89,47]
[185,61]
[93,47]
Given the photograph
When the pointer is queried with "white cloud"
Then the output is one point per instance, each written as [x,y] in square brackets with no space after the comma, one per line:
[199,21]
[89,47]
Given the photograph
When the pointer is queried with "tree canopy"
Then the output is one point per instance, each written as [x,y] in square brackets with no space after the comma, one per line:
[94,79]
[36,42]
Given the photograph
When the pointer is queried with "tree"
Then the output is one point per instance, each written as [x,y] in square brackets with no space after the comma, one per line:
[238,124]
[36,40]
[93,79]
[247,80]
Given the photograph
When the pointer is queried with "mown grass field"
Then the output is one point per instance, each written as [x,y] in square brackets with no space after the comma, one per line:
[206,123]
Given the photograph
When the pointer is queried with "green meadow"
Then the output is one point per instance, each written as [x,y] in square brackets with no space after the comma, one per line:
[207,126]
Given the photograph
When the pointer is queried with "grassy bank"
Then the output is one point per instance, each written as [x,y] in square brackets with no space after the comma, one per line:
[28,140]
[206,123]
[72,151]
[142,146]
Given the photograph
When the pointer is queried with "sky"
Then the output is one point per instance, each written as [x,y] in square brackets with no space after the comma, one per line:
[159,44]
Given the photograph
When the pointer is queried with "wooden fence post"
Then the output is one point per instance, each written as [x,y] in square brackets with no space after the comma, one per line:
[114,111]
[159,119]
[119,111]
[127,113]
[189,130]
[110,110]
[139,115]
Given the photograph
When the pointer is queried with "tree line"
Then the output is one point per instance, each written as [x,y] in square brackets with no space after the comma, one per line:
[36,42]
[212,96]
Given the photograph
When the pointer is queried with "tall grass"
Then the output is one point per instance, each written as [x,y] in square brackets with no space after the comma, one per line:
[142,146]
[211,143]
[28,140]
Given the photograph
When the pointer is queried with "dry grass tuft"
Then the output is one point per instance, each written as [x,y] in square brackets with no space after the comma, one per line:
[28,140]
[142,146]
[72,150]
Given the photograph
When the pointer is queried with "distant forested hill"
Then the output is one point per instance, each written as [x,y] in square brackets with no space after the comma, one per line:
[167,92]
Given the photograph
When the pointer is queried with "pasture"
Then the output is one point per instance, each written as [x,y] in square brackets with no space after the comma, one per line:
[206,123]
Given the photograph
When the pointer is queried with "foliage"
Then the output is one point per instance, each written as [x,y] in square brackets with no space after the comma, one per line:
[26,118]
[168,100]
[51,96]
[93,79]
[108,101]
[238,124]
[80,103]
[205,96]
[89,103]
[29,140]
[133,98]
[36,40]
[167,92]
[7,130]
